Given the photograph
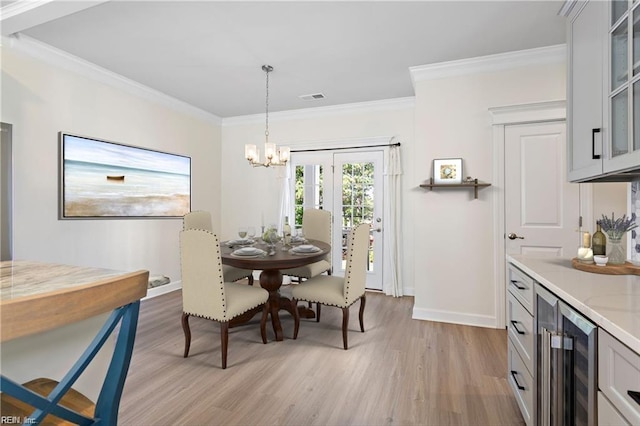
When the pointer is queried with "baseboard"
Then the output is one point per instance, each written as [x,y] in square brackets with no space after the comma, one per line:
[454,318]
[163,289]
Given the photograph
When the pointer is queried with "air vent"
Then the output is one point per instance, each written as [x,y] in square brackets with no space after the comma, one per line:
[312,97]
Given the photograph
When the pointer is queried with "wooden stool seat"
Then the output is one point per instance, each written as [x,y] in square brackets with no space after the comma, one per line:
[74,400]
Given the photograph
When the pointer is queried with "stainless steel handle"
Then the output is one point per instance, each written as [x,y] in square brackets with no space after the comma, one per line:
[513,236]
[545,377]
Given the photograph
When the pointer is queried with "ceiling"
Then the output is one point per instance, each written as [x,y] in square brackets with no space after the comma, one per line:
[209,53]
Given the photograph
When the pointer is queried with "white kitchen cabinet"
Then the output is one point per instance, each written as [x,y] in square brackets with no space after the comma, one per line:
[607,413]
[604,91]
[619,376]
[520,342]
[586,35]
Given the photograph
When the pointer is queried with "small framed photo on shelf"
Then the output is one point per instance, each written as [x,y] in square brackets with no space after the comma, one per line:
[447,170]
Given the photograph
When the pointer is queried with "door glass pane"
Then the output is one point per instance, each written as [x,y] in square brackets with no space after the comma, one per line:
[619,124]
[636,115]
[308,190]
[618,8]
[636,41]
[619,56]
[576,375]
[357,200]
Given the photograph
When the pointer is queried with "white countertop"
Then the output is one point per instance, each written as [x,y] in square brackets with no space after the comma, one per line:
[610,301]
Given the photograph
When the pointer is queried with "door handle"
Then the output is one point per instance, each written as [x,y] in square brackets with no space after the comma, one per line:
[513,236]
[634,395]
[378,229]
[515,379]
[593,144]
[515,327]
[519,287]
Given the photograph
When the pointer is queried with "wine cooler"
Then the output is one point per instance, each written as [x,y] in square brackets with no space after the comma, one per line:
[566,364]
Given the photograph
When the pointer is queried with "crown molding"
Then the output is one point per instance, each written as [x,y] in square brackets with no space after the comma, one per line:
[59,58]
[490,63]
[534,112]
[307,113]
[22,14]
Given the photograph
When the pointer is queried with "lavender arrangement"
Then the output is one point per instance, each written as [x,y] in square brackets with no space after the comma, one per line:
[615,228]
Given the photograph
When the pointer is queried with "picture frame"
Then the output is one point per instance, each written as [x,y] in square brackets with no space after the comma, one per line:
[101,179]
[447,171]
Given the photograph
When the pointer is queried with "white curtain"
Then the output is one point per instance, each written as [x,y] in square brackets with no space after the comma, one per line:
[284,177]
[393,227]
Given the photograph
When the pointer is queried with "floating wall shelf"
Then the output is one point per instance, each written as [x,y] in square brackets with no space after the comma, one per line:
[472,184]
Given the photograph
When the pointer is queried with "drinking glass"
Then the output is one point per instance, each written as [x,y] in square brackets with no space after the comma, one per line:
[251,232]
[242,232]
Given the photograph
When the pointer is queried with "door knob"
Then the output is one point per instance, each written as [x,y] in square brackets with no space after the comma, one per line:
[513,236]
[378,229]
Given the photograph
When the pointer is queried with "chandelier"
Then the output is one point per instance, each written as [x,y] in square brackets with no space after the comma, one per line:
[273,156]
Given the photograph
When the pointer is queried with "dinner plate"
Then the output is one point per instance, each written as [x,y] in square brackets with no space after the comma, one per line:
[305,249]
[248,252]
[239,242]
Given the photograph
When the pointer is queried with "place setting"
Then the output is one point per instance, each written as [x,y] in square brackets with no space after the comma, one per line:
[305,249]
[248,252]
[246,238]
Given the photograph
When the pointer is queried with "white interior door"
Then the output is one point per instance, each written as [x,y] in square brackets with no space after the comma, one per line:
[358,198]
[542,210]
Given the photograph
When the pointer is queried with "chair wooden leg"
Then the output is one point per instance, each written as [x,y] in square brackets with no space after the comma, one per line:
[187,334]
[345,324]
[329,272]
[363,300]
[250,279]
[224,341]
[263,321]
[296,318]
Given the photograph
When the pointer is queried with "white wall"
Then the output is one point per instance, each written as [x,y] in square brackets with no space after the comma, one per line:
[454,252]
[40,100]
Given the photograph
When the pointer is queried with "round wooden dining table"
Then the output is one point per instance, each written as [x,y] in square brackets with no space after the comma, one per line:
[272,267]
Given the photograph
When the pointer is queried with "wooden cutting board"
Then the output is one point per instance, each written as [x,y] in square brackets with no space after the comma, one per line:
[626,269]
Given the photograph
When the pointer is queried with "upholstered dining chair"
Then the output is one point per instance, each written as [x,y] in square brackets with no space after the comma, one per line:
[200,219]
[338,291]
[316,225]
[206,295]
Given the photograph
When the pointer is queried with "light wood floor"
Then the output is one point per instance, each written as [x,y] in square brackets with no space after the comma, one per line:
[399,372]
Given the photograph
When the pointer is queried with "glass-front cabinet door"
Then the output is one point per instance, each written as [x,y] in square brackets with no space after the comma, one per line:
[624,86]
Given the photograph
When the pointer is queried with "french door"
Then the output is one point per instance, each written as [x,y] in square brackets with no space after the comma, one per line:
[350,185]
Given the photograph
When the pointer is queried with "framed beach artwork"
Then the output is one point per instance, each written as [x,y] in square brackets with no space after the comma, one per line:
[447,170]
[101,179]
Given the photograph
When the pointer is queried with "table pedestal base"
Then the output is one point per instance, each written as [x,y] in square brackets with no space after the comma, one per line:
[271,280]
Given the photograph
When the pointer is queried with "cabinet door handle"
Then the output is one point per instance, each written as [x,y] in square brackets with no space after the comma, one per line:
[515,283]
[593,144]
[515,379]
[514,323]
[635,396]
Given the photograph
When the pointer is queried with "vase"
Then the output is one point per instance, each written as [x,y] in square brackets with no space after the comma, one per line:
[617,255]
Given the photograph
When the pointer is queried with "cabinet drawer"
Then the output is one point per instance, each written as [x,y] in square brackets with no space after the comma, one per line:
[607,414]
[619,373]
[521,382]
[520,326]
[521,285]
